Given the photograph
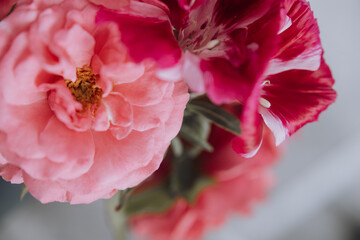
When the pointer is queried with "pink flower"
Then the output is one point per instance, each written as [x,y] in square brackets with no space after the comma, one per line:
[265,54]
[79,120]
[239,184]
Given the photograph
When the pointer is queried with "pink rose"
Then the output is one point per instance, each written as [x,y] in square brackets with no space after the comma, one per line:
[240,183]
[78,119]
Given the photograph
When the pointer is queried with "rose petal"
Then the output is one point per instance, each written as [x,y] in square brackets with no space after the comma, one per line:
[101,122]
[20,66]
[22,125]
[54,139]
[11,173]
[119,110]
[77,43]
[138,95]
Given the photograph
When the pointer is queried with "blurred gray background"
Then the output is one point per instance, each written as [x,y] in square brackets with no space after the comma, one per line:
[317,196]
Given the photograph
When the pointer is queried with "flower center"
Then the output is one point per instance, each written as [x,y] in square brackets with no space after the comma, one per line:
[84,89]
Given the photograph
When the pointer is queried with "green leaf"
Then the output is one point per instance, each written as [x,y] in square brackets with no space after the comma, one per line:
[177,147]
[199,184]
[123,197]
[23,193]
[118,217]
[152,200]
[217,115]
[183,171]
[196,129]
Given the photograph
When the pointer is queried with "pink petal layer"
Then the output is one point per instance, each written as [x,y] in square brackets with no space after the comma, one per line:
[80,51]
[54,140]
[23,125]
[119,109]
[137,95]
[11,174]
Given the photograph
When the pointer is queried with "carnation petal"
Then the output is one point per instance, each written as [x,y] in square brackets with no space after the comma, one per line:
[300,46]
[298,97]
[251,137]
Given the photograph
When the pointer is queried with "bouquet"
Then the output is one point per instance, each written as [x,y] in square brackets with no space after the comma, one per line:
[174,109]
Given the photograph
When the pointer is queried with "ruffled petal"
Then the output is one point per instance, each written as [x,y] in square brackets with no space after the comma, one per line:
[297,97]
[145,117]
[115,159]
[54,139]
[11,173]
[101,122]
[43,168]
[22,125]
[19,67]
[50,191]
[137,95]
[119,109]
[124,73]
[65,107]
[80,53]
[300,46]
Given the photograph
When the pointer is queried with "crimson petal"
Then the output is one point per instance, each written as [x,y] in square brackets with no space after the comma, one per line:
[300,46]
[146,37]
[298,97]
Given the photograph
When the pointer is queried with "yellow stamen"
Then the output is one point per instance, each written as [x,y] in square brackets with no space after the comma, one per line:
[84,89]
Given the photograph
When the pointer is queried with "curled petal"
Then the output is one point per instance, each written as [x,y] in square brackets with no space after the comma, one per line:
[251,137]
[119,109]
[11,173]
